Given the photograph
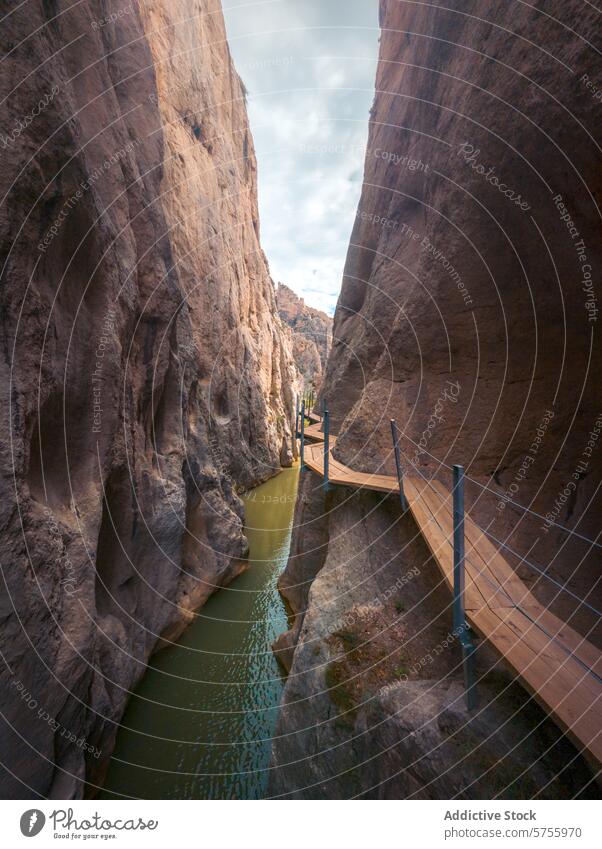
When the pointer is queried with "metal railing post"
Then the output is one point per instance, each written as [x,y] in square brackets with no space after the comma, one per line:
[302,467]
[326,448]
[459,618]
[461,628]
[395,435]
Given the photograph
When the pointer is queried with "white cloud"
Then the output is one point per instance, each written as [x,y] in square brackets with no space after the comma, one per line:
[309,66]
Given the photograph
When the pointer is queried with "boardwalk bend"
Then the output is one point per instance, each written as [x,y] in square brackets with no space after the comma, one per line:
[557,665]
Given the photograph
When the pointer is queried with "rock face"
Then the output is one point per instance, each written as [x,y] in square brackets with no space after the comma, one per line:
[374,702]
[468,318]
[469,313]
[312,333]
[146,375]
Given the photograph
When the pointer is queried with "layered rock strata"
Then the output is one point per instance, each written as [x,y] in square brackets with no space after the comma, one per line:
[312,334]
[374,704]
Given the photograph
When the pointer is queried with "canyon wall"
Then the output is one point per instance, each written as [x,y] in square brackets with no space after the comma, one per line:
[469,312]
[146,376]
[312,333]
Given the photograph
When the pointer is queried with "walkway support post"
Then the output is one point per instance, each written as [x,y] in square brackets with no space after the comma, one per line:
[297,434]
[395,435]
[461,629]
[302,467]
[326,448]
[470,675]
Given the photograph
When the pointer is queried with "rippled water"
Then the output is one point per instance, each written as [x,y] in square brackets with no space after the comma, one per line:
[200,723]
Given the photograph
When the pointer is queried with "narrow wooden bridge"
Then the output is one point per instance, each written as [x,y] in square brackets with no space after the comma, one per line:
[561,669]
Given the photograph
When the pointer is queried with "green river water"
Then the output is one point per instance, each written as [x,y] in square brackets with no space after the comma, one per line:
[200,723]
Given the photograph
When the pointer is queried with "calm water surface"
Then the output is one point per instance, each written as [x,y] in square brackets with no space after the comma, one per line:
[200,723]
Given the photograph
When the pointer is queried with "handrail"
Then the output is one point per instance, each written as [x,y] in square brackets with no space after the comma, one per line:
[544,574]
[395,435]
[521,557]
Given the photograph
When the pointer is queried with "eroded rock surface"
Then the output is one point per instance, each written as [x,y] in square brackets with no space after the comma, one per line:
[469,312]
[146,376]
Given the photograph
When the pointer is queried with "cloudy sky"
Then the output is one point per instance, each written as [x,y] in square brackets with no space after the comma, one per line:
[309,68]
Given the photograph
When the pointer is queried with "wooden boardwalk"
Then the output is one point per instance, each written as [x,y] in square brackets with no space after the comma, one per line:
[557,665]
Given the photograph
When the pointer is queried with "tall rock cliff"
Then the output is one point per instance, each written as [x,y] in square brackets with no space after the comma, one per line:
[312,333]
[469,312]
[146,377]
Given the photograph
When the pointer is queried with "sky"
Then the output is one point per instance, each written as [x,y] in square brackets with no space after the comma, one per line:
[309,67]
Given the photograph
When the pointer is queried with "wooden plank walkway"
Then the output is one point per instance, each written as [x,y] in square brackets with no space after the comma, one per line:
[561,669]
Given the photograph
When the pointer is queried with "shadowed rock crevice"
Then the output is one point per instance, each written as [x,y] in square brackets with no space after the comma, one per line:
[116,589]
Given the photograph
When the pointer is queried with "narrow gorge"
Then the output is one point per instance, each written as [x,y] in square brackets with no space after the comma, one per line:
[248,548]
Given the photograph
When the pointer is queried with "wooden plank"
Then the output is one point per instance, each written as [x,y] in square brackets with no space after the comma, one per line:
[340,474]
[564,668]
[522,597]
[557,658]
[314,458]
[576,643]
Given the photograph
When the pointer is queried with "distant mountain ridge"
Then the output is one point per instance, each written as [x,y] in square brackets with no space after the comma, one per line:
[312,333]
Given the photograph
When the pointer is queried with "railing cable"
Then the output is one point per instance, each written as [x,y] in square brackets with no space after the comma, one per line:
[483,486]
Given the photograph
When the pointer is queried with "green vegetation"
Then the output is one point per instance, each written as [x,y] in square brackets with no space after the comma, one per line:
[339,692]
[350,640]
